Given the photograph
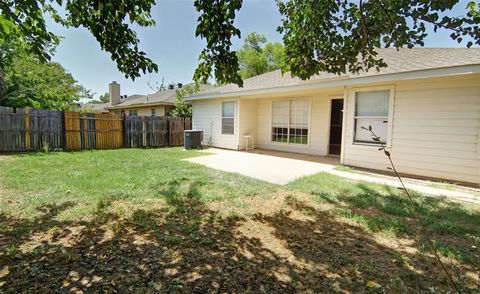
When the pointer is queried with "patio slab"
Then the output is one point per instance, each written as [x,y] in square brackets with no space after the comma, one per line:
[282,168]
[273,169]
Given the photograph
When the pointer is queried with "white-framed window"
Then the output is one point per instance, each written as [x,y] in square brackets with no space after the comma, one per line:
[371,109]
[228,117]
[290,121]
[152,112]
[133,112]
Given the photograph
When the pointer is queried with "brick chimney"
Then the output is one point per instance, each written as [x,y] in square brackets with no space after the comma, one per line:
[114,91]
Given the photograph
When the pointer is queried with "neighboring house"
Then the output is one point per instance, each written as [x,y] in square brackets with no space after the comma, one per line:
[425,106]
[96,107]
[157,104]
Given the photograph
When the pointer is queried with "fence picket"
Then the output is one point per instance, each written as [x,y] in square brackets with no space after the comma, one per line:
[31,129]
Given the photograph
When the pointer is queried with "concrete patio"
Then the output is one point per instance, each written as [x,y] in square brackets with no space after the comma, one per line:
[269,168]
[283,167]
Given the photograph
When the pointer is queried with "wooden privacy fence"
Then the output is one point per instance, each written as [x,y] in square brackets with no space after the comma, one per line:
[156,131]
[93,131]
[32,130]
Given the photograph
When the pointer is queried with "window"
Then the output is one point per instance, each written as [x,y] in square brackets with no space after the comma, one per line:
[122,112]
[290,121]
[132,112]
[228,117]
[152,112]
[371,109]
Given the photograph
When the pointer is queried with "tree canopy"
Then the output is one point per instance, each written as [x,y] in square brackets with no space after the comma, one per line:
[30,83]
[109,21]
[104,98]
[181,107]
[334,36]
[257,56]
[25,81]
[318,35]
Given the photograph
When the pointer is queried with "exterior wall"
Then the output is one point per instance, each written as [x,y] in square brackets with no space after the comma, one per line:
[318,131]
[435,130]
[207,117]
[143,111]
[247,121]
[434,126]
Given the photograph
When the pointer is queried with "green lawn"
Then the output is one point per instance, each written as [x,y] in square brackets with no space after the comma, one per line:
[86,180]
[144,220]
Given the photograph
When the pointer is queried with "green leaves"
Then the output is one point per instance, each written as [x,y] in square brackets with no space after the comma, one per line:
[216,26]
[182,107]
[257,56]
[343,36]
[319,35]
[108,21]
[31,83]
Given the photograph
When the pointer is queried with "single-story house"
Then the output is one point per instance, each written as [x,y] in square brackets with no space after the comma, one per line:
[425,106]
[156,104]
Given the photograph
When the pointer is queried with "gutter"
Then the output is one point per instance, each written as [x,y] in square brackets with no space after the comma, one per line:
[320,84]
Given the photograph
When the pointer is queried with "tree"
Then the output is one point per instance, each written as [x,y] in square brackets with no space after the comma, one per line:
[181,107]
[156,86]
[9,49]
[318,35]
[333,36]
[257,56]
[104,98]
[254,41]
[31,83]
[109,21]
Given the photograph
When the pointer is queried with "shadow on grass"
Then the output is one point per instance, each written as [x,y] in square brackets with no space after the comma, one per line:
[186,247]
[455,229]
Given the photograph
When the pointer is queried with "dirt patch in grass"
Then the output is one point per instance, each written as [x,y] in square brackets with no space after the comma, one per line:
[5,157]
[170,226]
[283,243]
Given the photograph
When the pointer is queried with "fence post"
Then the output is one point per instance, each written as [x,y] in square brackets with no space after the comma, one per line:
[64,133]
[169,130]
[27,128]
[124,137]
[144,131]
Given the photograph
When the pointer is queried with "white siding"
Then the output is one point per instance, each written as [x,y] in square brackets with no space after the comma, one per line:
[247,120]
[435,130]
[207,117]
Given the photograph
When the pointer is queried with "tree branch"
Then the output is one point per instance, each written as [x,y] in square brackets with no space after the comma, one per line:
[416,209]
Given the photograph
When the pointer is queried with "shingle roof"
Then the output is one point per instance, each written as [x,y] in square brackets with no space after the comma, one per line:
[165,97]
[96,107]
[403,60]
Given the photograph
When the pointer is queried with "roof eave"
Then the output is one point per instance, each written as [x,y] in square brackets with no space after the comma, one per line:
[426,73]
[139,105]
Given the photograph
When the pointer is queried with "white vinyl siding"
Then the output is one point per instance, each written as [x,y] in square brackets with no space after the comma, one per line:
[433,126]
[247,113]
[207,117]
[435,131]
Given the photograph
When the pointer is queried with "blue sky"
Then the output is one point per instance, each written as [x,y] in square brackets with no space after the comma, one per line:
[172,44]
